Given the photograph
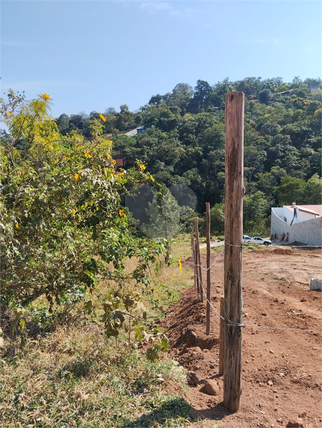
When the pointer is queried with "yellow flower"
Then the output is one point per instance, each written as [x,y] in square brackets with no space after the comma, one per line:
[86,154]
[76,176]
[121,213]
[114,161]
[10,111]
[107,155]
[102,117]
[180,265]
[143,167]
[17,226]
[74,211]
[45,97]
[152,179]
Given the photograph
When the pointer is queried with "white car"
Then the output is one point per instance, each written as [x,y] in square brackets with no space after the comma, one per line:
[259,240]
[246,238]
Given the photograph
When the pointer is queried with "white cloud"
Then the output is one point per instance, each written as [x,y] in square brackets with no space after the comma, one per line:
[174,12]
[269,41]
[184,13]
[156,6]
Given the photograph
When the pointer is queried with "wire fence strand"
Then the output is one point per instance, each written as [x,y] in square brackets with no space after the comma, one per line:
[225,318]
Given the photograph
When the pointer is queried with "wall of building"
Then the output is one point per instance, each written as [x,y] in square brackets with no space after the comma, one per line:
[308,232]
[304,216]
[288,214]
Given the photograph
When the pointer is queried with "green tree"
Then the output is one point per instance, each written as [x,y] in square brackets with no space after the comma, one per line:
[61,222]
[292,189]
[255,213]
[166,216]
[217,219]
[313,190]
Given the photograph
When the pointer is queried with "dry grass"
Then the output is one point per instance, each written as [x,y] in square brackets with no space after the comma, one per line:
[75,377]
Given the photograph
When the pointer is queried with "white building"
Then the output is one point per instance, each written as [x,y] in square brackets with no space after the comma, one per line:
[297,223]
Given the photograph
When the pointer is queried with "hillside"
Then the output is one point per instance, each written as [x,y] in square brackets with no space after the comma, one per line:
[184,140]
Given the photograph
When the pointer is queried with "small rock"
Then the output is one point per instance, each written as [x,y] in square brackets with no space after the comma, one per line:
[302,415]
[212,366]
[270,383]
[211,387]
[271,352]
[294,424]
[193,379]
[281,374]
[279,420]
[275,391]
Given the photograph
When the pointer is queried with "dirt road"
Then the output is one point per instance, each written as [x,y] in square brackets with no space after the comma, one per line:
[282,366]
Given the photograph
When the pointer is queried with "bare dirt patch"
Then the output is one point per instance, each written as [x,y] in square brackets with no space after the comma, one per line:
[282,368]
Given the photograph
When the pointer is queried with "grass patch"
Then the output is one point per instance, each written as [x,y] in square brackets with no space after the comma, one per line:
[75,378]
[70,375]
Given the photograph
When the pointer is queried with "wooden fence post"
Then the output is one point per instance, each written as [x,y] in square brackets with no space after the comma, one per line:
[234,192]
[221,337]
[208,317]
[196,260]
[192,241]
[199,272]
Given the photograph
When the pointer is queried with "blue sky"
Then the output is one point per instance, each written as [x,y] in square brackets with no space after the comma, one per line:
[92,55]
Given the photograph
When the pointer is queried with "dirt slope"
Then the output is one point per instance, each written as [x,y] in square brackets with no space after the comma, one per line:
[282,369]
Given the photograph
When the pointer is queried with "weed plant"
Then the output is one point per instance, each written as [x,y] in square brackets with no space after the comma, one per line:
[74,377]
[66,373]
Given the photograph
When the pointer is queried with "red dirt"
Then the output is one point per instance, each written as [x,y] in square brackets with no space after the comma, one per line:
[282,369]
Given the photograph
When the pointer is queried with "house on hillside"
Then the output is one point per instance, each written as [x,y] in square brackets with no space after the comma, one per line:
[314,88]
[297,223]
[134,132]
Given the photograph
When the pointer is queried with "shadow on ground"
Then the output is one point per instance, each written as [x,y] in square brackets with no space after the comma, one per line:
[176,409]
[216,413]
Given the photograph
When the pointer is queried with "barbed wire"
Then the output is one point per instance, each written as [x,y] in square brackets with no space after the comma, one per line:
[226,319]
[214,262]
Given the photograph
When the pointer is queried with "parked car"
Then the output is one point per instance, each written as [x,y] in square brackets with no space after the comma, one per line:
[259,240]
[246,238]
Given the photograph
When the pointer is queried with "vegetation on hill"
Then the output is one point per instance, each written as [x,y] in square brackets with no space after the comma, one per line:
[184,142]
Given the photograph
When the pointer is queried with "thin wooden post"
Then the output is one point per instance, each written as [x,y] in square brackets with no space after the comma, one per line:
[196,259]
[192,241]
[199,261]
[208,317]
[234,192]
[221,337]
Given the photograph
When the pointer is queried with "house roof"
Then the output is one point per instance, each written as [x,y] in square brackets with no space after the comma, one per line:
[311,209]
